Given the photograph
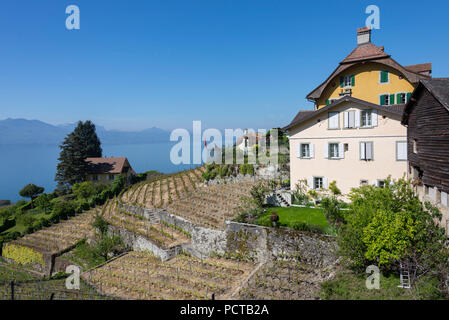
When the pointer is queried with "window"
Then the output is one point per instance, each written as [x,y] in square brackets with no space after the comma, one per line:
[347,81]
[111,177]
[415,146]
[366,151]
[95,177]
[367,119]
[305,150]
[403,97]
[333,120]
[384,77]
[317,182]
[401,150]
[381,183]
[333,150]
[346,147]
[349,119]
[363,182]
[426,190]
[386,99]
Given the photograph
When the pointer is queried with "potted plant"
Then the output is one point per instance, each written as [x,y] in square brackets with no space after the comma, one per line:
[274,219]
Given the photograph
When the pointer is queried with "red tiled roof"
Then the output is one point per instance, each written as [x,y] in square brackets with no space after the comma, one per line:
[106,165]
[423,67]
[367,51]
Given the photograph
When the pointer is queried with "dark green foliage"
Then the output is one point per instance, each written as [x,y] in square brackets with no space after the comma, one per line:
[302,226]
[44,202]
[31,191]
[63,210]
[77,146]
[6,223]
[331,207]
[389,225]
[100,224]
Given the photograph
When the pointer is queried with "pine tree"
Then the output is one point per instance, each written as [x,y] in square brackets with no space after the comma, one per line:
[82,143]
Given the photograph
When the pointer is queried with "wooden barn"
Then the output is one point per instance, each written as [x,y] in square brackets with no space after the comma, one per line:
[426,116]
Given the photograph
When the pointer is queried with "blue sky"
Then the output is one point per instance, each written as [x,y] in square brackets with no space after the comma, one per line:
[230,63]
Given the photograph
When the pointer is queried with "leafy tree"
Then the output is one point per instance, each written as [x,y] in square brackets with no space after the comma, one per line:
[82,143]
[389,225]
[84,190]
[43,202]
[31,191]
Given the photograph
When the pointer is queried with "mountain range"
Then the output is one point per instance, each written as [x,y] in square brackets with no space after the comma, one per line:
[23,131]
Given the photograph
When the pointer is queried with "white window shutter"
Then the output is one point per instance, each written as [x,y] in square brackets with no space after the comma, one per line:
[312,150]
[311,186]
[351,119]
[346,119]
[325,183]
[374,118]
[444,199]
[357,118]
[402,150]
[341,151]
[326,151]
[298,150]
[369,151]
[362,151]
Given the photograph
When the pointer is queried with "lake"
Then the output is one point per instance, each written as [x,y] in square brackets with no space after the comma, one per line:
[23,164]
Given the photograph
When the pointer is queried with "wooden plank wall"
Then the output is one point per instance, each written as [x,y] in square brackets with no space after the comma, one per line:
[429,125]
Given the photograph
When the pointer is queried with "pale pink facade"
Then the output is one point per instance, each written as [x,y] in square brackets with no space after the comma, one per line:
[383,141]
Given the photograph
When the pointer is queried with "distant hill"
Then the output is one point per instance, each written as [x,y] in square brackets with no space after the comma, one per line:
[23,131]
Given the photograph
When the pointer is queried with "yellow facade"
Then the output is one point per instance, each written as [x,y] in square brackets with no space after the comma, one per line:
[367,84]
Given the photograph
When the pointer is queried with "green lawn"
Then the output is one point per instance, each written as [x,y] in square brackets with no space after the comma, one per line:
[350,286]
[289,215]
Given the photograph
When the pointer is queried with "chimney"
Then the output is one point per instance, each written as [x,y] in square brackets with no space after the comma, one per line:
[363,35]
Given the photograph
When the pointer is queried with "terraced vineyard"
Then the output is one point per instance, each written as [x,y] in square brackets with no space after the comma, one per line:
[285,280]
[162,190]
[163,235]
[60,236]
[211,206]
[140,275]
[49,289]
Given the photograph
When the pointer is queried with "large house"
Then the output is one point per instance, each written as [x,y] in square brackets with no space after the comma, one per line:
[426,116]
[354,134]
[107,169]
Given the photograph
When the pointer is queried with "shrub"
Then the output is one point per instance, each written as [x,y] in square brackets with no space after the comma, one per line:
[334,189]
[331,207]
[62,210]
[84,190]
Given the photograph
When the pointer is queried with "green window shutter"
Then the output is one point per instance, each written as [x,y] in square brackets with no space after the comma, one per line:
[391,98]
[382,100]
[398,98]
[409,94]
[352,80]
[341,82]
[327,102]
[383,76]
